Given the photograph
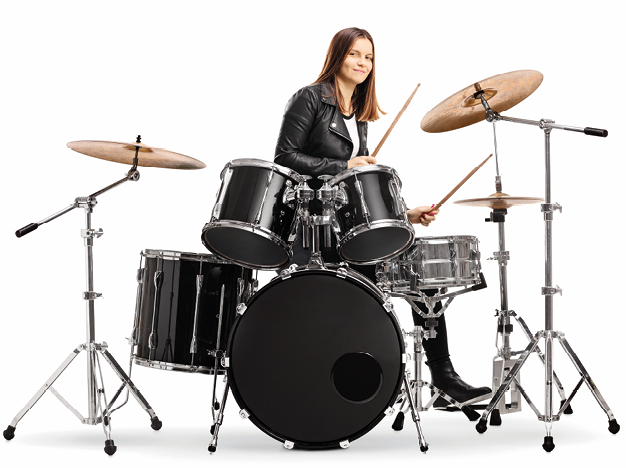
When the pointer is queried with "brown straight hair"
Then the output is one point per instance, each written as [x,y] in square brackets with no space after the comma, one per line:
[364,100]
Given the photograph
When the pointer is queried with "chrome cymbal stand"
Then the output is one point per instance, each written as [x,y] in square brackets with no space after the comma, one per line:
[548,334]
[98,411]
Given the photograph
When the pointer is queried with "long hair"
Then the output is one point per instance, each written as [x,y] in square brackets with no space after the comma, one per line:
[364,100]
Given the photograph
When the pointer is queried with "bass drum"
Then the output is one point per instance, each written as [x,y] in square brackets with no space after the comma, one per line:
[316,358]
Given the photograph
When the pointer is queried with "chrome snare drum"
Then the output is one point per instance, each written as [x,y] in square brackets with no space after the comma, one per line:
[186,306]
[372,223]
[432,262]
[252,224]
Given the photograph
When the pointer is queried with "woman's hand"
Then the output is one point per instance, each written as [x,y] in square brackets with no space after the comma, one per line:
[361,161]
[423,215]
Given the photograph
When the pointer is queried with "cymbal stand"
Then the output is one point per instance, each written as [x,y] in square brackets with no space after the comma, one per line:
[98,412]
[549,290]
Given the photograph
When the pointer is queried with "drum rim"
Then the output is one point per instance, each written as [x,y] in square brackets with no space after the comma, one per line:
[259,230]
[364,169]
[352,233]
[454,239]
[177,255]
[172,366]
[247,162]
[328,269]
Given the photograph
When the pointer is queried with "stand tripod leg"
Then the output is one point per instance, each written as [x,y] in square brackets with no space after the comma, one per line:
[613,425]
[481,426]
[415,415]
[215,429]
[155,423]
[9,432]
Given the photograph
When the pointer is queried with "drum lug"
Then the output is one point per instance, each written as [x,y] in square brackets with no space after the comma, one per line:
[405,357]
[241,308]
[226,363]
[244,414]
[342,273]
[388,306]
[344,444]
[389,411]
[288,444]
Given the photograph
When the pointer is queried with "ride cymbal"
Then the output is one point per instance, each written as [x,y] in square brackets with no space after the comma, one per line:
[499,201]
[501,92]
[124,153]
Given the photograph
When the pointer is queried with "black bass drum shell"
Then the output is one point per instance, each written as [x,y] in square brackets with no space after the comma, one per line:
[316,359]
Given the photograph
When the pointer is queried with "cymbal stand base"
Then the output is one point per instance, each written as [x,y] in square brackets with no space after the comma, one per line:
[219,419]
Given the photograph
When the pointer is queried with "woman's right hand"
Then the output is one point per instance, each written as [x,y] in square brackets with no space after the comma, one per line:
[361,161]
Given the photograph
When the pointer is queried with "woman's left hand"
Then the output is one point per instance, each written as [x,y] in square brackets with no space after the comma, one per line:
[423,215]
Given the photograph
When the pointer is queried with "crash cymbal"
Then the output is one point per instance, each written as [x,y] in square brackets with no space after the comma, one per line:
[501,92]
[124,153]
[499,201]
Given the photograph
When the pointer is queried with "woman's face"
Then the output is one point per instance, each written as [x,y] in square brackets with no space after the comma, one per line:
[358,64]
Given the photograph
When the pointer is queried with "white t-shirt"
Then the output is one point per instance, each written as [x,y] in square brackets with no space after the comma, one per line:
[354,133]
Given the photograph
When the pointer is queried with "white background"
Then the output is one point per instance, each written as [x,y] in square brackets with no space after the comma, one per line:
[210,80]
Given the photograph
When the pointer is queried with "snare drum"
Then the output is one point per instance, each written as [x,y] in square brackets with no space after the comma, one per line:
[432,262]
[180,297]
[252,224]
[372,223]
[316,358]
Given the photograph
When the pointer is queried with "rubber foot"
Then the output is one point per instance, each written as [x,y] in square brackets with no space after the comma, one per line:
[216,405]
[9,432]
[212,448]
[471,414]
[423,448]
[398,423]
[155,423]
[568,410]
[548,443]
[495,419]
[481,427]
[109,447]
[613,427]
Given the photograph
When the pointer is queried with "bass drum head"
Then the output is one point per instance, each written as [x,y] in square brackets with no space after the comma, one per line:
[316,359]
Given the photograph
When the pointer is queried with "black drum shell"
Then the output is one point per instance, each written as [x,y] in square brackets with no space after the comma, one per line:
[388,232]
[285,347]
[234,232]
[176,312]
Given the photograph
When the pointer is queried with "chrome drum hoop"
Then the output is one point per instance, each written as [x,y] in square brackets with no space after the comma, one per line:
[170,366]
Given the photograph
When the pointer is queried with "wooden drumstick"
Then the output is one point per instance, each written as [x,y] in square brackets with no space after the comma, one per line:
[453,191]
[393,124]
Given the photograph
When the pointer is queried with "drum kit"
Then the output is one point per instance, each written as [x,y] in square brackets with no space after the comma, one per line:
[338,354]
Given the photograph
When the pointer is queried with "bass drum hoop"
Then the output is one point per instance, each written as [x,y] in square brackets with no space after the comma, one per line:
[335,271]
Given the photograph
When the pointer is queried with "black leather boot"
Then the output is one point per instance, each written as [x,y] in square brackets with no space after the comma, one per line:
[445,378]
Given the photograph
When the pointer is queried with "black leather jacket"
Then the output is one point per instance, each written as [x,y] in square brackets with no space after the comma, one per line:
[313,138]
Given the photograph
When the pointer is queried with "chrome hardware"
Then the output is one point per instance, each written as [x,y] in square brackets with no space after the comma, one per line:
[257,218]
[288,444]
[551,291]
[193,348]
[550,207]
[227,174]
[90,295]
[91,233]
[344,444]
[244,414]
[389,411]
[359,188]
[225,362]
[388,306]
[241,308]
[342,273]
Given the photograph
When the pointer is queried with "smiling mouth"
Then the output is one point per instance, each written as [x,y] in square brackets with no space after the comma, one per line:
[360,71]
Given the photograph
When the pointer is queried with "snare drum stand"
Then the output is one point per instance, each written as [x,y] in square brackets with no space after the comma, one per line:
[97,412]
[548,334]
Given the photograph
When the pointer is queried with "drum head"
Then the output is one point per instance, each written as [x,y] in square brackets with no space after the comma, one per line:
[245,247]
[315,359]
[373,245]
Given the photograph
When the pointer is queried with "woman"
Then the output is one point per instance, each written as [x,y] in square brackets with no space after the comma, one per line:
[324,131]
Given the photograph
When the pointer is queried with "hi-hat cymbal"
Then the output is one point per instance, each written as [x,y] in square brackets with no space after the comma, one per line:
[501,92]
[124,153]
[499,201]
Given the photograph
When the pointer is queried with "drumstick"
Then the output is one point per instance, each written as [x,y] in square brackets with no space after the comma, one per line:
[393,124]
[453,191]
